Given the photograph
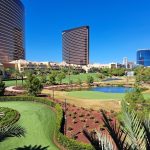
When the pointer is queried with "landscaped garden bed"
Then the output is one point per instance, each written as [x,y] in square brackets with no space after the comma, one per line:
[18,88]
[80,118]
[8,116]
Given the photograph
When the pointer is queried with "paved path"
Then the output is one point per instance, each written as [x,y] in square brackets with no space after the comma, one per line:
[10,89]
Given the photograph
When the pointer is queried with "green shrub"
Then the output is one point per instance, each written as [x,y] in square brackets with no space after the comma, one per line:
[2,88]
[27,98]
[89,80]
[33,85]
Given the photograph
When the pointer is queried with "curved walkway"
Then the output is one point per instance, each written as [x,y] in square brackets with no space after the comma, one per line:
[10,89]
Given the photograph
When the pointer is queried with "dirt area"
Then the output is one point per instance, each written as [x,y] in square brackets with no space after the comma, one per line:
[93,104]
[79,118]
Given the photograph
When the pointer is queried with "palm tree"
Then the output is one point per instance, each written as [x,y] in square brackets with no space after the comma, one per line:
[36,147]
[16,74]
[133,134]
[11,131]
[22,74]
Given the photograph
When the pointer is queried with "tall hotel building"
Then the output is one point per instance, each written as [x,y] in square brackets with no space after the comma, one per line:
[143,57]
[11,30]
[76,46]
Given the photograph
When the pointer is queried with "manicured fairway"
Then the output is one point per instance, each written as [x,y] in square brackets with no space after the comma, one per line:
[82,76]
[98,95]
[74,78]
[13,82]
[39,122]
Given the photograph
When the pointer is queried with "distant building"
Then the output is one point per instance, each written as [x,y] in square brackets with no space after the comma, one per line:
[125,62]
[131,65]
[143,57]
[11,30]
[130,73]
[23,65]
[75,46]
[2,68]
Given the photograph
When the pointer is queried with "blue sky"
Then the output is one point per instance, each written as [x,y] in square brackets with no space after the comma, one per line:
[117,27]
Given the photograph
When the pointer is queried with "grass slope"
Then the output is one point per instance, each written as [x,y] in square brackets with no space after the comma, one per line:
[82,76]
[99,95]
[13,82]
[39,122]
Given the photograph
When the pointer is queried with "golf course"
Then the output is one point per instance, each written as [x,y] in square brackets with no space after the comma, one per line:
[39,122]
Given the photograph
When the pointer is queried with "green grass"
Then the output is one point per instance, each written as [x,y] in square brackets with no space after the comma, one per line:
[39,122]
[147,96]
[74,78]
[82,76]
[90,95]
[13,82]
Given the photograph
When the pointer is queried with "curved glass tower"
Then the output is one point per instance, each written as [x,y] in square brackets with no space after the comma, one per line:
[11,30]
[143,57]
[76,46]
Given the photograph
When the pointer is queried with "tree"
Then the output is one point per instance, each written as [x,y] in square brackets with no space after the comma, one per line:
[11,131]
[33,85]
[89,80]
[135,95]
[16,74]
[79,82]
[2,88]
[52,79]
[43,79]
[36,147]
[21,74]
[142,75]
[94,70]
[2,84]
[60,77]
[100,75]
[70,81]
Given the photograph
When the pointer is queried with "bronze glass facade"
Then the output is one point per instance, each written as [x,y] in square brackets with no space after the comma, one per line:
[11,30]
[76,46]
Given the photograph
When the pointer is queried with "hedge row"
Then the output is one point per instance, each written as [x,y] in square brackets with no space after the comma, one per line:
[68,143]
[27,98]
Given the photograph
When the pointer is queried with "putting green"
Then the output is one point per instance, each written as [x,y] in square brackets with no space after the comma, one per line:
[39,122]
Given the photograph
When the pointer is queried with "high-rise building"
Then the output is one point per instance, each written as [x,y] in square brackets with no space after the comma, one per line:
[125,62]
[12,46]
[76,46]
[143,57]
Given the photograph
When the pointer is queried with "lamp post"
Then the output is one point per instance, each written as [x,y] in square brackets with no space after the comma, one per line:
[53,93]
[1,76]
[69,66]
[65,110]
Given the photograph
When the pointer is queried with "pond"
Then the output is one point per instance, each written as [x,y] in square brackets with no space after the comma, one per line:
[111,79]
[111,89]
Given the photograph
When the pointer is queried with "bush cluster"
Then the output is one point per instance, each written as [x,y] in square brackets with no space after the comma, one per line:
[27,98]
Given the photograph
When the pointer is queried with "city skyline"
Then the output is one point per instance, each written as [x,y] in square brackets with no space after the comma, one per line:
[118,30]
